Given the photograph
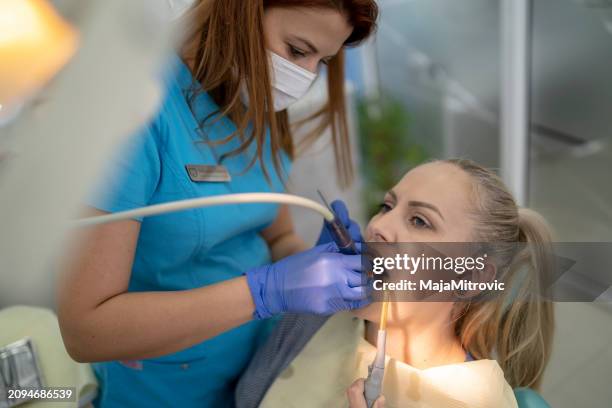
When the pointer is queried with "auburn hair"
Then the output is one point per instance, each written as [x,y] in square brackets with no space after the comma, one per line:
[226,42]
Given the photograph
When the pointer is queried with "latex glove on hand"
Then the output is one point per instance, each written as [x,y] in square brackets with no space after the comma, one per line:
[319,281]
[341,212]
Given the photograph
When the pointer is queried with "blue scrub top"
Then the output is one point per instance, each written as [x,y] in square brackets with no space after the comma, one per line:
[188,249]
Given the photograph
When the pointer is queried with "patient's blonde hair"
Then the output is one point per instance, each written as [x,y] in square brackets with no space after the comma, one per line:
[515,329]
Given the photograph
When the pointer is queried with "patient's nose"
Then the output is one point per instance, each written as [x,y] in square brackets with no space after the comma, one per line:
[381,229]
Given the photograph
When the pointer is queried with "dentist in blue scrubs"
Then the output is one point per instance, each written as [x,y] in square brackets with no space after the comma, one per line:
[171,308]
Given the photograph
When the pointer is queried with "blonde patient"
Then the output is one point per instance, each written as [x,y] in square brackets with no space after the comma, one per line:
[439,354]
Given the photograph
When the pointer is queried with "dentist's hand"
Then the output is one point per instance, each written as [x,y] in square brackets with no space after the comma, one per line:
[318,281]
[342,212]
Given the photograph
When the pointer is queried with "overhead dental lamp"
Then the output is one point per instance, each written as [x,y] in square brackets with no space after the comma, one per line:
[83,106]
[35,42]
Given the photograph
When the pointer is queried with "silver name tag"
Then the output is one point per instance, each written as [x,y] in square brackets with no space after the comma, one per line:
[200,173]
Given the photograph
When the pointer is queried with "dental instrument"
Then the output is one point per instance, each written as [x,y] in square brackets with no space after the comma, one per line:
[376,370]
[339,233]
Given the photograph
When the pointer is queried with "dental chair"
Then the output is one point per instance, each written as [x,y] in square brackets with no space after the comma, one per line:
[528,398]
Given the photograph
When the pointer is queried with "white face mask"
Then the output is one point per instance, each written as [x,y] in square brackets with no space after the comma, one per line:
[290,82]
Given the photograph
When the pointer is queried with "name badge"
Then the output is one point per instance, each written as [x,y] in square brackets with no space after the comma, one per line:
[200,173]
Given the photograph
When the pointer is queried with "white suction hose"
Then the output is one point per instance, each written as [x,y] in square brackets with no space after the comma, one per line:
[181,205]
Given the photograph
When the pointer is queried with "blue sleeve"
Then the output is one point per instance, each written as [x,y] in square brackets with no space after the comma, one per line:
[131,176]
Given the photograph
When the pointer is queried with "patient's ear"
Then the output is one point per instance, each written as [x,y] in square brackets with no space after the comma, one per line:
[484,275]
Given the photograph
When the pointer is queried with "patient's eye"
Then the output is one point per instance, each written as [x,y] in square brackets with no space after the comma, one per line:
[419,222]
[384,208]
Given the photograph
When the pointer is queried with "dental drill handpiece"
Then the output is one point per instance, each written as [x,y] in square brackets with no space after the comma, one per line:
[376,371]
[339,233]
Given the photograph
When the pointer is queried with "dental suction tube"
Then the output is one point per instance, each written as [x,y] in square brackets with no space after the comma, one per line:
[182,205]
[376,371]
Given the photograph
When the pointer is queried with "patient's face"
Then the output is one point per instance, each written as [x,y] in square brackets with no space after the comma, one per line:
[431,203]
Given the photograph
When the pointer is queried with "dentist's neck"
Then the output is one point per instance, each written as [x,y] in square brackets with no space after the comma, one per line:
[427,340]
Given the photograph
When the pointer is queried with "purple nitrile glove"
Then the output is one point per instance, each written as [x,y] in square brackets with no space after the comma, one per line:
[318,281]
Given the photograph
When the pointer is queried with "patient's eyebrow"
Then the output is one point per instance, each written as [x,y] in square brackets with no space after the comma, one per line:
[426,205]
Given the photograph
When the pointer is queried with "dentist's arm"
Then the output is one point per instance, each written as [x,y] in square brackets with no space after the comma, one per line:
[100,320]
[281,237]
